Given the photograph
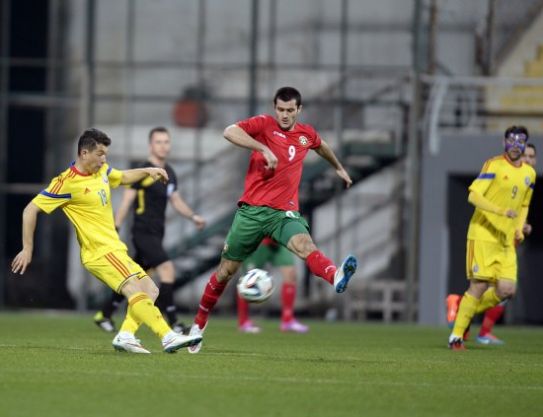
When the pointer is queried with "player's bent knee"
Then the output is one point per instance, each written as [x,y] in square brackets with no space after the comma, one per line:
[302,245]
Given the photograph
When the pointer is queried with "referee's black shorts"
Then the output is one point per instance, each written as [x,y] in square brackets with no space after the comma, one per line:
[149,250]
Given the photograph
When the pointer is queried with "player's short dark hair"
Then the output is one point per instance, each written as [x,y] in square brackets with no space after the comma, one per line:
[531,145]
[90,139]
[516,130]
[287,94]
[158,129]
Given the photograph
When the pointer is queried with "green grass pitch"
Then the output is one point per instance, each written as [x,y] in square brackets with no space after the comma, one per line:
[63,365]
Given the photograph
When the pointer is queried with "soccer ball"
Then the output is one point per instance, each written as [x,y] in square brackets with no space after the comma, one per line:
[255,286]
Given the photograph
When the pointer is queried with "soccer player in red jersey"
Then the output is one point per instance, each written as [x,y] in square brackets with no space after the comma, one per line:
[269,204]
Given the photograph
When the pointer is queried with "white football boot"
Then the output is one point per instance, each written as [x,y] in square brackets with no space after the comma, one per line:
[127,342]
[173,341]
[344,273]
[196,331]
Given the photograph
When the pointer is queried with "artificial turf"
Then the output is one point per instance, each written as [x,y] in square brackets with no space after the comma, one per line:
[62,365]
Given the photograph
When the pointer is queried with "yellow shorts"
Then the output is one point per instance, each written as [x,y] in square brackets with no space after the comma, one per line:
[114,268]
[488,261]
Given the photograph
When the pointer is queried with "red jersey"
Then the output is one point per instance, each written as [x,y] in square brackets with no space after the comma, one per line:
[277,188]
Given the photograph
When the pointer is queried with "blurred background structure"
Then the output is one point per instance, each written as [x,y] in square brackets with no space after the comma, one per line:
[413,96]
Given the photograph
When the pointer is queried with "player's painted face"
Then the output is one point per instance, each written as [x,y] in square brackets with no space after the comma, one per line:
[286,113]
[160,145]
[529,157]
[93,160]
[515,144]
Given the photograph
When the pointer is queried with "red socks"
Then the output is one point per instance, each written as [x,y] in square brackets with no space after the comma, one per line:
[243,310]
[288,295]
[492,315]
[211,295]
[321,266]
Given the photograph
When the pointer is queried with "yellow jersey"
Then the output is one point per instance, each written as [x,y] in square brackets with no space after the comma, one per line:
[85,199]
[506,186]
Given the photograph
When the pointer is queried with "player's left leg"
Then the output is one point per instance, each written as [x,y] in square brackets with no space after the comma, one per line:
[212,292]
[122,274]
[505,289]
[494,299]
[302,245]
[292,231]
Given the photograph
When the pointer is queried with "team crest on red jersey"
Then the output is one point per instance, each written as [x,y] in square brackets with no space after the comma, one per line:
[303,140]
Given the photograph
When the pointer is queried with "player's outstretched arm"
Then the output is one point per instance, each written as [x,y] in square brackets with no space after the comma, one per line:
[130,176]
[129,196]
[326,152]
[183,208]
[482,203]
[24,257]
[239,137]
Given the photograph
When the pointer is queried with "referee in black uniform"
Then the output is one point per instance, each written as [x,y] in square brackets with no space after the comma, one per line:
[148,199]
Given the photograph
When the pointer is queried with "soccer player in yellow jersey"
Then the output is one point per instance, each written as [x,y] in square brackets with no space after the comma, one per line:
[83,193]
[501,195]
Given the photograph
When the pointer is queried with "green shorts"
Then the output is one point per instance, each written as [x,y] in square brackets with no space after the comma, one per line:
[252,223]
[273,254]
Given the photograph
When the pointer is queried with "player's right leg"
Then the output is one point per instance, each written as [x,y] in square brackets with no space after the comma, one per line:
[212,292]
[150,254]
[244,236]
[466,311]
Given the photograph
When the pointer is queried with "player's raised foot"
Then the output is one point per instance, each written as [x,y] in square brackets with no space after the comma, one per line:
[456,343]
[127,342]
[344,273]
[196,331]
[452,302]
[173,341]
[104,323]
[489,339]
[249,327]
[293,326]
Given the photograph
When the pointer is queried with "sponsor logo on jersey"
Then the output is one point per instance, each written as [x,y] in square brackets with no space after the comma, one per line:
[303,140]
[276,133]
